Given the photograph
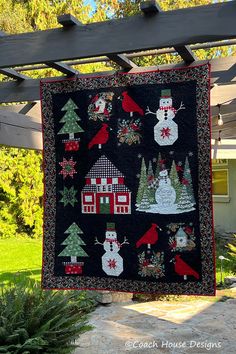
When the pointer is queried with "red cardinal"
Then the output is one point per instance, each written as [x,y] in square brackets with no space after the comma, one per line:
[130,106]
[182,268]
[149,238]
[100,138]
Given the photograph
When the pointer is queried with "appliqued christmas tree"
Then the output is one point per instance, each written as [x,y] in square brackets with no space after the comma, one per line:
[142,183]
[175,181]
[150,182]
[70,120]
[187,180]
[73,248]
[145,204]
[185,203]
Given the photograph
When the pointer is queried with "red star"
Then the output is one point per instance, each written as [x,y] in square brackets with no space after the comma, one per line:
[111,263]
[179,168]
[165,132]
[185,181]
[67,167]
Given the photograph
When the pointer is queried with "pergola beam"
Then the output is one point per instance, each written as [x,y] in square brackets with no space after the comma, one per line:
[63,68]
[151,8]
[13,74]
[68,20]
[186,54]
[136,33]
[122,61]
[223,71]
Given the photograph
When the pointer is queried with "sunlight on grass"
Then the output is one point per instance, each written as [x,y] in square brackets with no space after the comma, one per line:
[20,259]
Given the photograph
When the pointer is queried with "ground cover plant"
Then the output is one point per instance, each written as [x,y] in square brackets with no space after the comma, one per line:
[36,321]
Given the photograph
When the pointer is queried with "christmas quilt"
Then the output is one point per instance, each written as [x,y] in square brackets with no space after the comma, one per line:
[128,182]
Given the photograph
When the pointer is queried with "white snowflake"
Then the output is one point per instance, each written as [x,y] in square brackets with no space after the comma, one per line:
[119,144]
[154,159]
[138,175]
[190,153]
[171,152]
[180,163]
[168,232]
[140,156]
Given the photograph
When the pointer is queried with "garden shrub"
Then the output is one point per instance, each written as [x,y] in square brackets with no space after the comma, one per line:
[36,321]
[21,193]
[232,253]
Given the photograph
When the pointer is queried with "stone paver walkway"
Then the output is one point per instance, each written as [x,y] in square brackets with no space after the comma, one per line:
[162,327]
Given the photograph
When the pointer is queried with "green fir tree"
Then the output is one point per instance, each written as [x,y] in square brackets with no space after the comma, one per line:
[142,183]
[175,182]
[158,168]
[150,180]
[73,243]
[70,119]
[145,203]
[188,178]
[185,203]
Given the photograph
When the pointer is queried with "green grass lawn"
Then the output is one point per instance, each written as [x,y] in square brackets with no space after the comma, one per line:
[20,260]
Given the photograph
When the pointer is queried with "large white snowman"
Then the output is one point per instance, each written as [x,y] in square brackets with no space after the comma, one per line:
[165,194]
[166,130]
[112,262]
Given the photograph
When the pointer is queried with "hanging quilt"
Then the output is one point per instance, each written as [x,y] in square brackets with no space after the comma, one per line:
[128,182]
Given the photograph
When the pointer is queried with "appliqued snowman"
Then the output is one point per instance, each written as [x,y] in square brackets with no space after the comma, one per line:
[166,130]
[165,194]
[112,262]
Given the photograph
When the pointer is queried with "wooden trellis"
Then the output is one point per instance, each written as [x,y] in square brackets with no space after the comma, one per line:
[151,32]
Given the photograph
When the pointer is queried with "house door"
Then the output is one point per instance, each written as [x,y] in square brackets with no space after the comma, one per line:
[104,205]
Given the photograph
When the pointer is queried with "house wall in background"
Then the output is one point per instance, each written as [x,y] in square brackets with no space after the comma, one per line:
[225,206]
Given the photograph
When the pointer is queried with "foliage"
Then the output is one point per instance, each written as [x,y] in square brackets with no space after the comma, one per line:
[232,253]
[21,191]
[36,321]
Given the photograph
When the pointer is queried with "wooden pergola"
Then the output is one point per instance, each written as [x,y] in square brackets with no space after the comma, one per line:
[151,32]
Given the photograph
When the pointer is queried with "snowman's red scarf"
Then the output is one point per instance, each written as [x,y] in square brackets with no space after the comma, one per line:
[112,240]
[162,108]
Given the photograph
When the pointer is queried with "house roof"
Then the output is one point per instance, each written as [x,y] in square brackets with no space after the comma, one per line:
[103,168]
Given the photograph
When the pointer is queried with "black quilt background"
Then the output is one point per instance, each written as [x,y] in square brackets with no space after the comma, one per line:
[127,160]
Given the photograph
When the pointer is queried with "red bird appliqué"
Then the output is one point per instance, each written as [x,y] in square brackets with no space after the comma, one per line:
[101,137]
[130,106]
[182,268]
[149,238]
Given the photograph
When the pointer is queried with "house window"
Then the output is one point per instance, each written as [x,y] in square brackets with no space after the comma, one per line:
[220,178]
[122,199]
[220,182]
[88,198]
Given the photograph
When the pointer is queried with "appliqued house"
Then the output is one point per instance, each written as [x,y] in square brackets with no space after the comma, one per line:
[105,191]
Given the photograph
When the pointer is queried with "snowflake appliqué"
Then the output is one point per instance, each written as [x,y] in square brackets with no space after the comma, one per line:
[111,263]
[68,167]
[165,132]
[68,196]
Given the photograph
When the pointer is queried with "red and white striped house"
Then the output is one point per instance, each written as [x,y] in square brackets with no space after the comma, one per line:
[104,191]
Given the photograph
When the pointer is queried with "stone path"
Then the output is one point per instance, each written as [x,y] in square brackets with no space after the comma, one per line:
[160,326]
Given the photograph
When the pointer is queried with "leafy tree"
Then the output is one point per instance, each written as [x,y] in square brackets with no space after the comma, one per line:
[21,191]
